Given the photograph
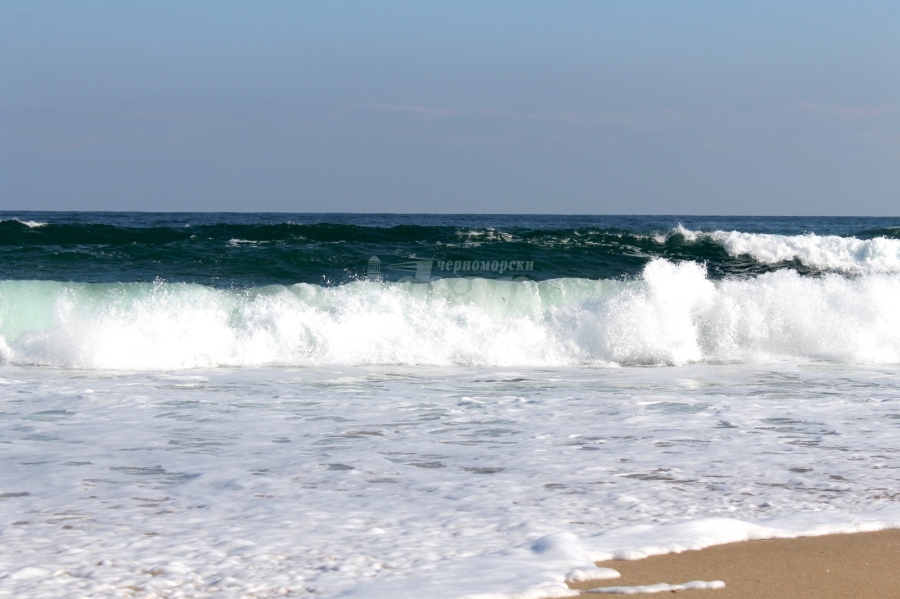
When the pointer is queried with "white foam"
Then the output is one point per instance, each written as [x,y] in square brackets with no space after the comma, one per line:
[672,315]
[824,252]
[661,587]
[582,574]
[384,482]
[477,236]
[28,223]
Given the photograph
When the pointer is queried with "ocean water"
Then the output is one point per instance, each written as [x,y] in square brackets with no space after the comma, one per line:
[219,405]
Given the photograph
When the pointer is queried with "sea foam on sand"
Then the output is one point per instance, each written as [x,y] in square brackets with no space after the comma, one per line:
[385,482]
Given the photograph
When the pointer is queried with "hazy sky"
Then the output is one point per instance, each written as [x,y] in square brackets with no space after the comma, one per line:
[573,107]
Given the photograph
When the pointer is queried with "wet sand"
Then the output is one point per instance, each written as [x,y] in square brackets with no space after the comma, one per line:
[846,566]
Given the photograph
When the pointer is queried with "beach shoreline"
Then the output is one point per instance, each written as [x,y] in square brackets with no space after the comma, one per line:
[850,565]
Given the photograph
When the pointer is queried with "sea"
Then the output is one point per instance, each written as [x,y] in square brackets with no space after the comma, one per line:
[390,406]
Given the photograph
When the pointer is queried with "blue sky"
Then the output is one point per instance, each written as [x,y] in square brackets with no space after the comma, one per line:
[507,107]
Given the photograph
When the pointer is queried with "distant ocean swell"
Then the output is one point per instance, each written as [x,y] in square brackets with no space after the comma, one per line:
[672,313]
[229,255]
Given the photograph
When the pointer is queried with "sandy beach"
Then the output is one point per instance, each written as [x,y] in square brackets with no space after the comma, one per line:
[847,566]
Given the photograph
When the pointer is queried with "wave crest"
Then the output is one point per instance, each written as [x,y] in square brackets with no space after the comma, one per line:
[848,255]
[672,314]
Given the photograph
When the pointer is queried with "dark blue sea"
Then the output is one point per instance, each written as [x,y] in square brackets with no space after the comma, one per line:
[246,249]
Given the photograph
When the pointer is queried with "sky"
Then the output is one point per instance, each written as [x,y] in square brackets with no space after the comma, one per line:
[600,107]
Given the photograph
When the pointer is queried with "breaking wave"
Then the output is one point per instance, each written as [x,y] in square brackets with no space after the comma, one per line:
[673,313]
[822,252]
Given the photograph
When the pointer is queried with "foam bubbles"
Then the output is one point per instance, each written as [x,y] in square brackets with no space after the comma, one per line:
[31,224]
[673,314]
[823,252]
[661,587]
[385,482]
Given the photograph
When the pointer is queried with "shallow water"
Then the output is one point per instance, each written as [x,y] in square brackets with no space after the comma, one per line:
[324,480]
